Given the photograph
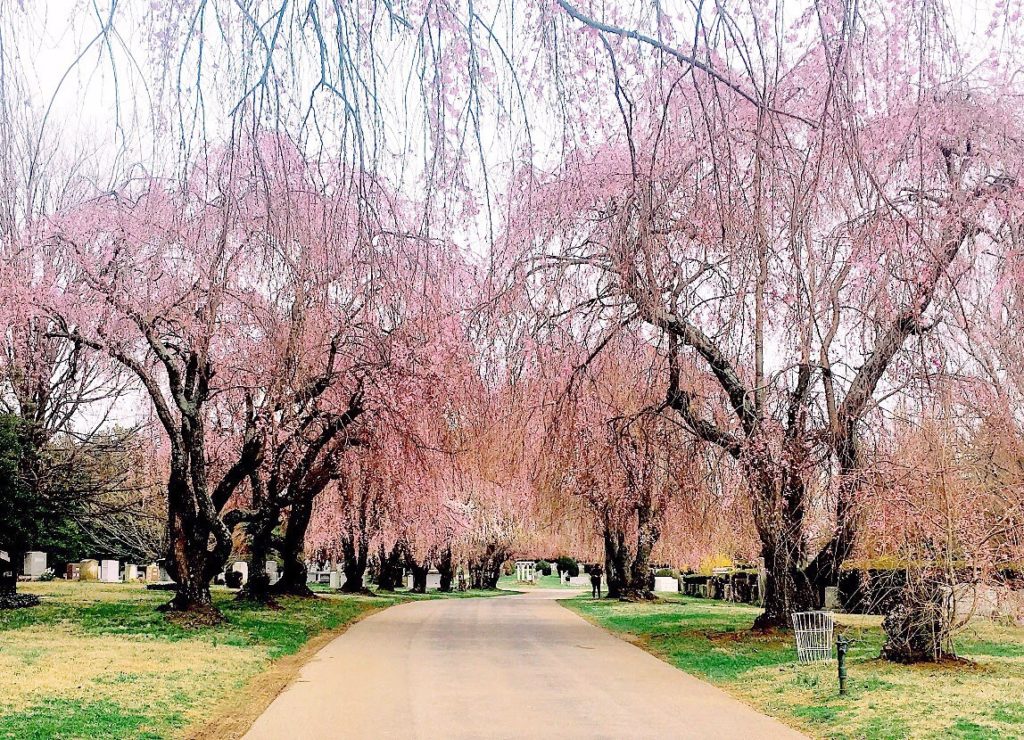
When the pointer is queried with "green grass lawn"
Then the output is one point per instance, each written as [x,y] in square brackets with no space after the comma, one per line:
[510,582]
[979,699]
[98,660]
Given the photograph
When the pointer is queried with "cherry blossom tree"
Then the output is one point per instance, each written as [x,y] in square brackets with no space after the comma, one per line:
[792,204]
[611,449]
[239,302]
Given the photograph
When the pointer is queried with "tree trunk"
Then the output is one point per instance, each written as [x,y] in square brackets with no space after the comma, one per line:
[787,589]
[391,570]
[261,532]
[628,573]
[419,575]
[486,570]
[354,550]
[447,570]
[189,560]
[492,574]
[778,508]
[824,570]
[614,562]
[293,572]
[640,586]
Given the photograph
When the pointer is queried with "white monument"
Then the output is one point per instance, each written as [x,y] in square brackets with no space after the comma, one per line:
[242,567]
[110,571]
[666,584]
[35,564]
[271,567]
[335,579]
[131,573]
[526,570]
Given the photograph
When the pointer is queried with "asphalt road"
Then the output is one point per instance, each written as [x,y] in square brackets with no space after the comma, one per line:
[504,667]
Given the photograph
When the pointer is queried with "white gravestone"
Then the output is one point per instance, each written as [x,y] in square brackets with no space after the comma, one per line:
[271,567]
[131,573]
[110,571]
[35,564]
[241,567]
[433,580]
[666,584]
[335,579]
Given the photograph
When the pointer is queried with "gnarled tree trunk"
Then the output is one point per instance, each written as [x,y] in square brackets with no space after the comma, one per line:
[261,534]
[192,524]
[293,544]
[391,570]
[354,550]
[486,569]
[419,574]
[447,570]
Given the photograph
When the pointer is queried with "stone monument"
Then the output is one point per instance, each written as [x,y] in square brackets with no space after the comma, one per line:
[89,570]
[110,571]
[34,564]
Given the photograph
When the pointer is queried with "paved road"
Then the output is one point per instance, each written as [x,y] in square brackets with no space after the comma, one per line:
[505,667]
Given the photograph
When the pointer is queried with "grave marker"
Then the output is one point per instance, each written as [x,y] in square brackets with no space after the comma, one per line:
[110,571]
[89,570]
[34,564]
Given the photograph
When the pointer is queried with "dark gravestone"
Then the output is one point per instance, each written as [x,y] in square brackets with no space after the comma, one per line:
[8,576]
[9,596]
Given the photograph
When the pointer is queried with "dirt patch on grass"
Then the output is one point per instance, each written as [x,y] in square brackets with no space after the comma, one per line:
[233,717]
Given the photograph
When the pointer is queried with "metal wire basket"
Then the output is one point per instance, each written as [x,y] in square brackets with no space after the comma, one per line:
[813,632]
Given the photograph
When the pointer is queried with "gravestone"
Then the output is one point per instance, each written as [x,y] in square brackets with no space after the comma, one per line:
[152,573]
[89,570]
[335,579]
[8,578]
[271,567]
[9,596]
[110,571]
[241,567]
[73,572]
[34,564]
[131,573]
[666,584]
[433,580]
